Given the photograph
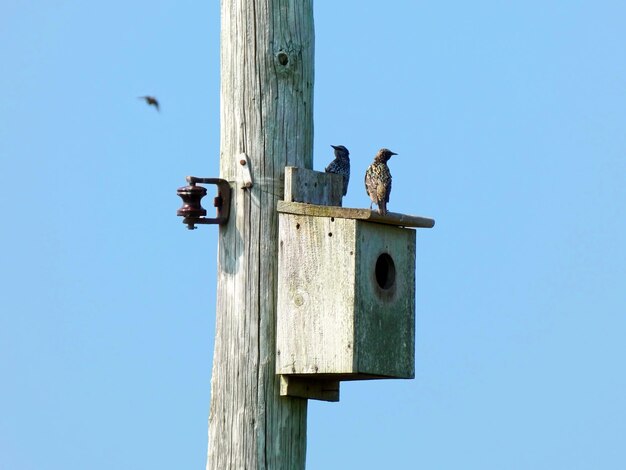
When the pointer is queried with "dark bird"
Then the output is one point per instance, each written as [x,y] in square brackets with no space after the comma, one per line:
[378,180]
[151,100]
[341,165]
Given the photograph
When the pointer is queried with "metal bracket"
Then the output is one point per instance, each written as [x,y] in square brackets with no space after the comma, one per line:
[245,177]
[192,210]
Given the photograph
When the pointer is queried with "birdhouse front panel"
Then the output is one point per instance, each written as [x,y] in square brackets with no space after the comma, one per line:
[385,300]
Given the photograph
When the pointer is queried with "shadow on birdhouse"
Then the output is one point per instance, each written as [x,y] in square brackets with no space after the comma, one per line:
[346,295]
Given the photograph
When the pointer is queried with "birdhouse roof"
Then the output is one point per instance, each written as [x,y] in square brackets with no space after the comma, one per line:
[391,218]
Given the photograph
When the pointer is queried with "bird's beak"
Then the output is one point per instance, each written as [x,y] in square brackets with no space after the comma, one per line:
[334,146]
[394,153]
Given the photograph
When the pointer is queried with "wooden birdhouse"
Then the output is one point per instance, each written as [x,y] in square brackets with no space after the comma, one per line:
[346,296]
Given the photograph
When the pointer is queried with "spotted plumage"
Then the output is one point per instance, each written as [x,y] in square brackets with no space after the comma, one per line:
[341,165]
[378,180]
[151,101]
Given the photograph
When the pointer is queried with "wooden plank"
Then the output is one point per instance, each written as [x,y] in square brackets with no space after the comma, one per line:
[392,218]
[315,330]
[385,300]
[313,187]
[305,387]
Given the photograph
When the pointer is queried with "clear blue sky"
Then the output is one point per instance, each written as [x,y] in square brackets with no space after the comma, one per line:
[509,121]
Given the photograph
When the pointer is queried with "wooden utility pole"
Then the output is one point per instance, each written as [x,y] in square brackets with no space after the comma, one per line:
[266,114]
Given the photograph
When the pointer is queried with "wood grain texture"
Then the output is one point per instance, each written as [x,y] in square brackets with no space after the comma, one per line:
[309,387]
[391,218]
[313,187]
[266,113]
[385,315]
[316,295]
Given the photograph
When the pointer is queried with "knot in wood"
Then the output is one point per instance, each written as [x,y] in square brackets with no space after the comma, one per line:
[286,58]
[283,58]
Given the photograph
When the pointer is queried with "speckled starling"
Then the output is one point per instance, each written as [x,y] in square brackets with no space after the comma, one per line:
[151,100]
[378,180]
[341,165]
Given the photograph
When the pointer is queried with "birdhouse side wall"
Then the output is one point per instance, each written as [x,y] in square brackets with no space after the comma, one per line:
[316,295]
[385,300]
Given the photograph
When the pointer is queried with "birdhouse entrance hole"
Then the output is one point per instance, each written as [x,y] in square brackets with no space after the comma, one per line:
[385,271]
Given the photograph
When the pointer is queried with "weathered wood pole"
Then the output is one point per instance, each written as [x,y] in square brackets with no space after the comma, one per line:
[266,113]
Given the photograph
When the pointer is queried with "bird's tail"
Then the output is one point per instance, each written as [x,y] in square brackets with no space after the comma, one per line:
[382,207]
